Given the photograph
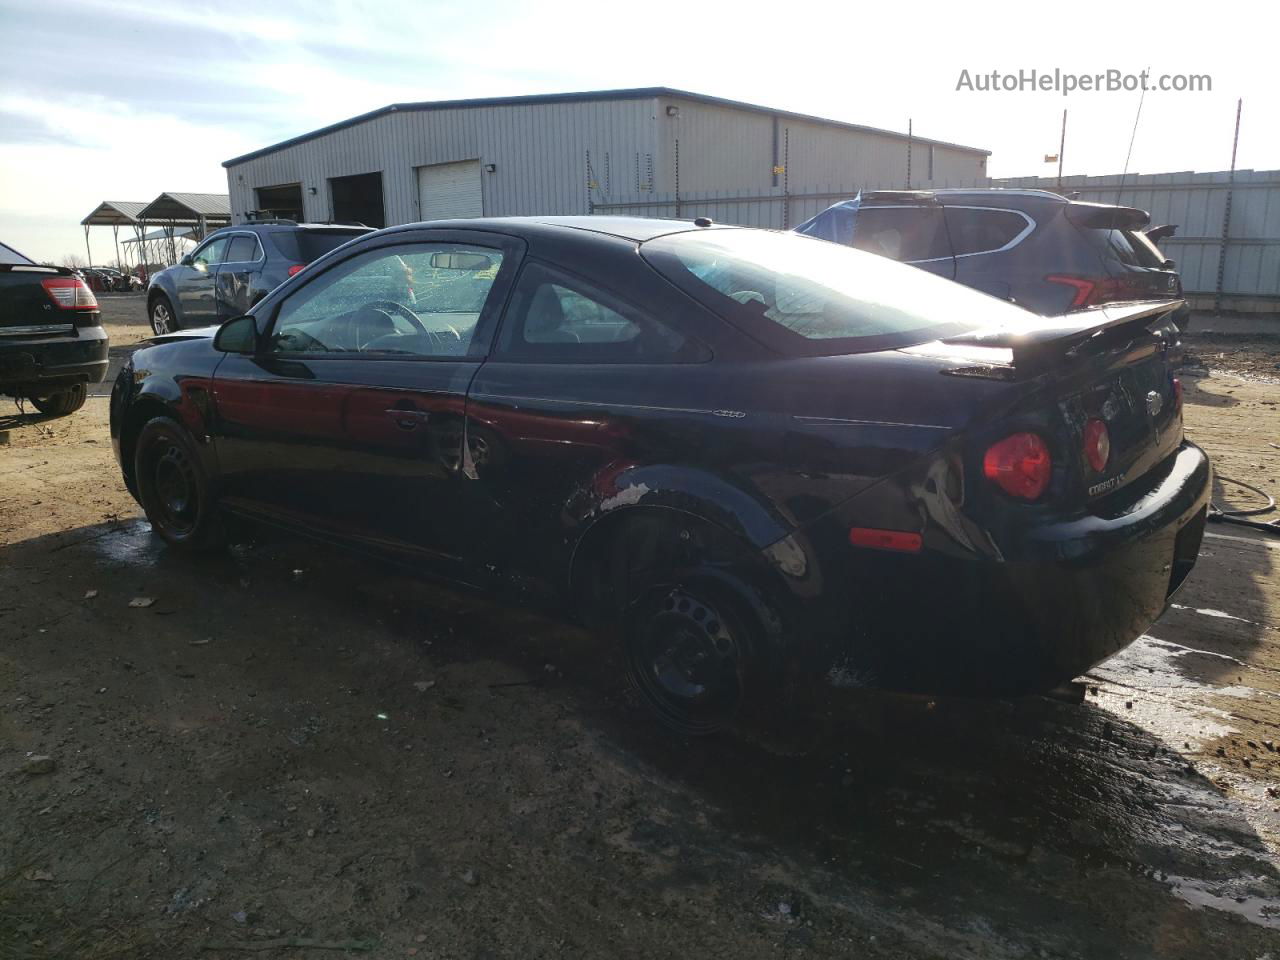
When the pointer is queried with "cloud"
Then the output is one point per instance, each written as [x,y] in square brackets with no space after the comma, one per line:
[25,128]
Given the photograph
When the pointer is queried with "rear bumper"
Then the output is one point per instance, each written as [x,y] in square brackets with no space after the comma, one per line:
[51,363]
[1078,592]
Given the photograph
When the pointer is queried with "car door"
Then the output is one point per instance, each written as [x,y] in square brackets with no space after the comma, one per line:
[909,233]
[347,422]
[581,387]
[241,264]
[194,282]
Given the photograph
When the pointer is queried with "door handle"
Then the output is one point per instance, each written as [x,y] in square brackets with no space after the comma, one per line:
[407,418]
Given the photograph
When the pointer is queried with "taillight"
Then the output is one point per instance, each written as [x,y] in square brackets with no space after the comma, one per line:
[1177,393]
[1091,291]
[1019,465]
[1082,285]
[297,268]
[70,293]
[1097,444]
[901,540]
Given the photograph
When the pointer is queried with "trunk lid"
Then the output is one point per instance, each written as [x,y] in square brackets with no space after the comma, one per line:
[1108,364]
[26,307]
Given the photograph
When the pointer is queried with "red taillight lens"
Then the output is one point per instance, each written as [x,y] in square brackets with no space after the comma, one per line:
[297,268]
[900,540]
[69,293]
[1083,286]
[1097,444]
[1090,291]
[1177,393]
[1019,465]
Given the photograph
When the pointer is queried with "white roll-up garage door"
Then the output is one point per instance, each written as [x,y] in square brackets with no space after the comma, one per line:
[450,190]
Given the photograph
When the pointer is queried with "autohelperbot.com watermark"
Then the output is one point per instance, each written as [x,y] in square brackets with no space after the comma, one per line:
[1066,82]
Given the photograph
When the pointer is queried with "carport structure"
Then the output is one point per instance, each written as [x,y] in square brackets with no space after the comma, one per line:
[114,214]
[200,212]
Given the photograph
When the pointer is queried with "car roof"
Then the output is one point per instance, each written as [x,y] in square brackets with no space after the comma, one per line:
[636,229]
[271,226]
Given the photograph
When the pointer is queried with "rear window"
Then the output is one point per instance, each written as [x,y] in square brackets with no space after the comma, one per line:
[982,231]
[807,297]
[303,246]
[1133,248]
[8,255]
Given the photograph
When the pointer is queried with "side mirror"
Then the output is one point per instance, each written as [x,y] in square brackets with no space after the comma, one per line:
[237,335]
[186,261]
[1168,265]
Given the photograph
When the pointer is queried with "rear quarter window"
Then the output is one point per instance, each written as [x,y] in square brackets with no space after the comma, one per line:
[303,246]
[983,231]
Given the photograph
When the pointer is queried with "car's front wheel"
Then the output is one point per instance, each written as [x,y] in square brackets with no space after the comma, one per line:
[163,319]
[174,488]
[63,402]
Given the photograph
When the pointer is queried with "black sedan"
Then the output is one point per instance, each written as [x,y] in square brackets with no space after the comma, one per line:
[753,458]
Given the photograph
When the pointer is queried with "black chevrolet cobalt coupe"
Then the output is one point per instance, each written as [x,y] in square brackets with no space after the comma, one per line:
[751,458]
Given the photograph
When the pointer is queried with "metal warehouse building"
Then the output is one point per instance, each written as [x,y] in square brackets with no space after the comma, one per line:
[566,154]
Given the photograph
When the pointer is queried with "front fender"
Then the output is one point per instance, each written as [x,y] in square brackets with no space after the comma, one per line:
[172,379]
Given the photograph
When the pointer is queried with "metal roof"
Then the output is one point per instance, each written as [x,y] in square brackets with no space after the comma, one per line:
[114,213]
[637,93]
[188,207]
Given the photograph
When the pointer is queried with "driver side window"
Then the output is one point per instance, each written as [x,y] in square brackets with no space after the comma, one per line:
[421,299]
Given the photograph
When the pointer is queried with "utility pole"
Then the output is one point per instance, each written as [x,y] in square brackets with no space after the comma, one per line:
[1062,147]
[909,139]
[1226,212]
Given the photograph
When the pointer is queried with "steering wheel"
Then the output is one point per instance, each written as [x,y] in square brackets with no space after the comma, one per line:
[749,296]
[388,307]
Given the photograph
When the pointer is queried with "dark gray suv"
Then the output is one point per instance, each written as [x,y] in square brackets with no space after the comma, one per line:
[1043,251]
[234,268]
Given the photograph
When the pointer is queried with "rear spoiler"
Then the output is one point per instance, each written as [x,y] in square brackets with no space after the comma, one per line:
[1039,345]
[1104,216]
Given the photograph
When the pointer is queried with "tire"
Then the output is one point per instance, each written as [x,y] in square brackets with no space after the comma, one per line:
[63,402]
[693,642]
[174,489]
[163,317]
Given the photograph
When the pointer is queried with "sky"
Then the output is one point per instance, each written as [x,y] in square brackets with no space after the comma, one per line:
[120,99]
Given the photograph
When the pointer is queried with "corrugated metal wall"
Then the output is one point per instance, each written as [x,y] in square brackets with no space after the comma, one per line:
[561,158]
[540,152]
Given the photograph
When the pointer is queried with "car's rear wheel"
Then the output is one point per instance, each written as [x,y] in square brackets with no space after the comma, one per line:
[174,488]
[62,402]
[694,641]
[163,319]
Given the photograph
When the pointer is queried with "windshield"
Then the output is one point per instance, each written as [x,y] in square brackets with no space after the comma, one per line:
[807,296]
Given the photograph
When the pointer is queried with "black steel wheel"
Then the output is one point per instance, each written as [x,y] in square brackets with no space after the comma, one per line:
[689,655]
[173,487]
[63,402]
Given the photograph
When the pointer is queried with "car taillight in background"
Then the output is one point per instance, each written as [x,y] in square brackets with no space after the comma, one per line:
[1020,465]
[1091,291]
[1177,393]
[297,268]
[1097,444]
[70,293]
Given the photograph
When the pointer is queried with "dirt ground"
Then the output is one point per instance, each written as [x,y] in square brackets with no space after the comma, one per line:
[294,753]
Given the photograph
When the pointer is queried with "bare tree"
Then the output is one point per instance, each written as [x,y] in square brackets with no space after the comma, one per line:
[73,261]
